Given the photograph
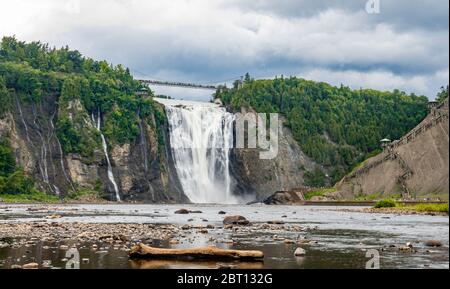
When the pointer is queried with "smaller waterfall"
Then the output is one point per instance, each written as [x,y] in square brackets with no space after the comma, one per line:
[105,150]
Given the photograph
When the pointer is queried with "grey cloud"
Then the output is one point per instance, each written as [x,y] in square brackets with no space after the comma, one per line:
[403,14]
[217,40]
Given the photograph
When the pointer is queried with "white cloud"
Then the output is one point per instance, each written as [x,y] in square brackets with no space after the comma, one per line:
[195,40]
[382,80]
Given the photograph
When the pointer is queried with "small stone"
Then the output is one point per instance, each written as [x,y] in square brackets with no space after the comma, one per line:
[276,222]
[433,243]
[186,227]
[182,212]
[64,247]
[16,267]
[224,267]
[85,260]
[303,242]
[30,266]
[222,213]
[299,252]
[46,264]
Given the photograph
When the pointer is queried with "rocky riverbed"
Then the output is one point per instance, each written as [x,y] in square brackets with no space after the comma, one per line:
[49,236]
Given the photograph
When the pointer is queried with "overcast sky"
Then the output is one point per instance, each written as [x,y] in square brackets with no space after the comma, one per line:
[405,46]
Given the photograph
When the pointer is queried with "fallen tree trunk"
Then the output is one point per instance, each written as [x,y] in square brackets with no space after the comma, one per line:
[142,251]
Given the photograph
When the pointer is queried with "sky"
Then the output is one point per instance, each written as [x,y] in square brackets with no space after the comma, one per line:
[391,44]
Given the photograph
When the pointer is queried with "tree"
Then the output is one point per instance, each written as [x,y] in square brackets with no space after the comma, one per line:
[7,160]
[4,98]
[442,95]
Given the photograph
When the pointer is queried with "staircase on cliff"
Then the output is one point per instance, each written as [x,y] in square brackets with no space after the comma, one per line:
[420,154]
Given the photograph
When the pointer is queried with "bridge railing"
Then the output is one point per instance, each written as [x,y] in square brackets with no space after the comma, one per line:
[179,84]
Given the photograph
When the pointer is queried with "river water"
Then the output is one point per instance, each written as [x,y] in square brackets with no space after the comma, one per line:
[342,238]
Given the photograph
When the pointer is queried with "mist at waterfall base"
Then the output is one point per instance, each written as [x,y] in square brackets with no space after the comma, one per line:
[201,136]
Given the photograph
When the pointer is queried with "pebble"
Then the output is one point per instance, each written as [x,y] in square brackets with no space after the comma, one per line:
[433,243]
[299,252]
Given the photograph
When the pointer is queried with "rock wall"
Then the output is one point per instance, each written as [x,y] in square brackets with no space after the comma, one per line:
[416,166]
[261,178]
[143,169]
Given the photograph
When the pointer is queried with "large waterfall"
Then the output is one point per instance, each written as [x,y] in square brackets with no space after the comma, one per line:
[201,135]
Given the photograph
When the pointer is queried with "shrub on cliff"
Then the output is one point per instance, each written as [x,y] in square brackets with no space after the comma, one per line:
[12,179]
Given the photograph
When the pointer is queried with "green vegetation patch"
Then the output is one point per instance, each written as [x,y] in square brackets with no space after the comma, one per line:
[438,208]
[319,193]
[385,204]
[35,197]
[423,208]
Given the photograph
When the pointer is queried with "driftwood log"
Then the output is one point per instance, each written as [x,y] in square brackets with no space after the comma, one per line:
[142,251]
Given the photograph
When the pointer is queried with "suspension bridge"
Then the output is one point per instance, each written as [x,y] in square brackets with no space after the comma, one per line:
[178,84]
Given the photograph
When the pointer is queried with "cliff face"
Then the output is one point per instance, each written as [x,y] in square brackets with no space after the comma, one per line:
[142,168]
[416,166]
[261,178]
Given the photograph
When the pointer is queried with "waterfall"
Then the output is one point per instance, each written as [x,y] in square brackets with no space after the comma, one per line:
[105,150]
[201,135]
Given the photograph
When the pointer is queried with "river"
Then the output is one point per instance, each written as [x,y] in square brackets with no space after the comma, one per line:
[341,239]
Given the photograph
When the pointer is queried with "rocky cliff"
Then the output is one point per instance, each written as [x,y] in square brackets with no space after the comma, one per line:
[261,178]
[416,166]
[142,168]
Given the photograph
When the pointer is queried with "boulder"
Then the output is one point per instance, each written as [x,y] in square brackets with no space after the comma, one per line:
[235,220]
[294,197]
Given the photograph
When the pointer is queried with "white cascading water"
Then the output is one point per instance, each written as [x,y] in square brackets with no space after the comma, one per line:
[201,135]
[105,150]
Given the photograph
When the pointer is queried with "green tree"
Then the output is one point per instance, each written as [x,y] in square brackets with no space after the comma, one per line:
[7,159]
[4,98]
[442,95]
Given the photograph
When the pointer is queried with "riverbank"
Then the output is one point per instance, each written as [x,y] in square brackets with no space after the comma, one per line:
[47,235]
[396,211]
